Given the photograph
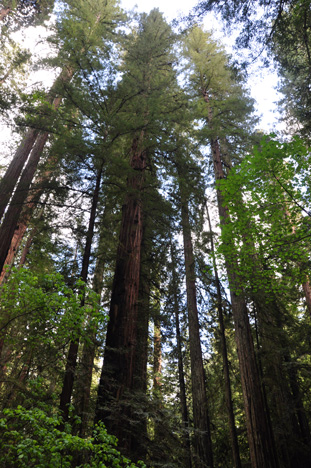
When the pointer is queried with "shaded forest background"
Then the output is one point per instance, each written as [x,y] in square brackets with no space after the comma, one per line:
[154,242]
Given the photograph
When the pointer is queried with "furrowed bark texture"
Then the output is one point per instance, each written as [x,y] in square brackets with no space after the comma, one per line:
[203,444]
[116,382]
[21,228]
[140,439]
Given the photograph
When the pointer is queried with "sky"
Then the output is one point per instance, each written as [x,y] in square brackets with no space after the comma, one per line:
[262,83]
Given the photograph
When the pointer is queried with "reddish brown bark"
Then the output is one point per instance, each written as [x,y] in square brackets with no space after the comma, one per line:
[26,214]
[10,178]
[117,376]
[9,224]
[15,243]
[203,456]
[139,434]
[27,246]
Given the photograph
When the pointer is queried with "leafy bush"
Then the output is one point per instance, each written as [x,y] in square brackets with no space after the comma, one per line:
[31,438]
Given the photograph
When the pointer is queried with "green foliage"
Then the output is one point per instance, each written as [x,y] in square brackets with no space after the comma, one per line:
[219,98]
[268,197]
[291,47]
[31,438]
[25,12]
[40,314]
[46,304]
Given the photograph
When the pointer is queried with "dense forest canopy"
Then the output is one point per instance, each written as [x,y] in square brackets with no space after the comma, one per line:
[155,298]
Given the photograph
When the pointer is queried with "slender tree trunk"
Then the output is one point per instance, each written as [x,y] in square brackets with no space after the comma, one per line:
[116,382]
[307,292]
[71,364]
[223,344]
[27,246]
[10,178]
[90,347]
[203,445]
[259,434]
[181,374]
[157,356]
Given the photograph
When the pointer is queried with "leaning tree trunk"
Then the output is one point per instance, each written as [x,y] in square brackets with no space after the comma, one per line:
[12,215]
[117,377]
[9,180]
[21,228]
[223,345]
[203,446]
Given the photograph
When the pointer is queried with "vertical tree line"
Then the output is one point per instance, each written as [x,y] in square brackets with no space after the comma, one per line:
[117,339]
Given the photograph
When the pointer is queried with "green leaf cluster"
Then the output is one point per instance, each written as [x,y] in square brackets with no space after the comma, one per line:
[31,438]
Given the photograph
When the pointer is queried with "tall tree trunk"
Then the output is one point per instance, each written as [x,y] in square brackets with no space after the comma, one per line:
[9,180]
[11,218]
[90,347]
[299,408]
[140,439]
[31,202]
[223,345]
[157,355]
[116,382]
[260,439]
[71,363]
[181,374]
[203,444]
[307,292]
